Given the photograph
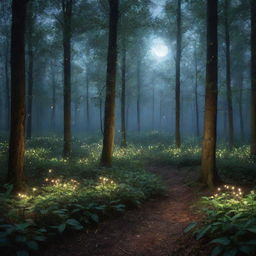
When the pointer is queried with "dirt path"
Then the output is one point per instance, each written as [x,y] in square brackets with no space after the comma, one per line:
[152,230]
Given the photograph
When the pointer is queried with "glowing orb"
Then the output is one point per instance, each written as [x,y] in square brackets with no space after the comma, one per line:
[160,50]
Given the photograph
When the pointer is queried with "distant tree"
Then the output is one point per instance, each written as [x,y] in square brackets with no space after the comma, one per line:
[30,28]
[228,74]
[109,118]
[16,144]
[253,77]
[177,79]
[123,93]
[67,16]
[208,164]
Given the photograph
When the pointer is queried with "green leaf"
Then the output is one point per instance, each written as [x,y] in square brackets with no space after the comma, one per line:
[40,238]
[202,232]
[253,230]
[32,245]
[246,249]
[231,252]
[61,227]
[190,227]
[94,217]
[22,253]
[221,240]
[217,250]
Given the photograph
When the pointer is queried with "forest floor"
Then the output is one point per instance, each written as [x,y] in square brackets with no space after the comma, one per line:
[154,229]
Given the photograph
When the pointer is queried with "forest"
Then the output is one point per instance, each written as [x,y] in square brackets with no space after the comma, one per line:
[127,127]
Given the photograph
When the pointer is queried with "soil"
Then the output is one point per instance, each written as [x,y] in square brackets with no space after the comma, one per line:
[155,229]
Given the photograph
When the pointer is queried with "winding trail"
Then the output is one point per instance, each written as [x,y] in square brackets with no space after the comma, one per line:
[155,229]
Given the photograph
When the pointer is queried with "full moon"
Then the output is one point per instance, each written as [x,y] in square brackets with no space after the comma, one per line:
[160,50]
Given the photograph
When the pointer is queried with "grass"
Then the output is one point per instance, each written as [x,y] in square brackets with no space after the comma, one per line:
[71,195]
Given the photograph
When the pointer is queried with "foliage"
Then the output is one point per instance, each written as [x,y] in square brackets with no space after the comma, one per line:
[229,222]
[70,195]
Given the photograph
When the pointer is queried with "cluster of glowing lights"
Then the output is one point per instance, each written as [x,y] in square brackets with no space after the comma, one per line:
[104,181]
[232,190]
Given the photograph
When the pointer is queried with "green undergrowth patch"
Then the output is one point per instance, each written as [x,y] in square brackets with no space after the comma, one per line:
[229,221]
[70,195]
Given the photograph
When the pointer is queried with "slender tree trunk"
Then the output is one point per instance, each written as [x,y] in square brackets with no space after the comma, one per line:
[17,145]
[138,93]
[153,108]
[228,77]
[101,118]
[177,84]
[109,118]
[196,96]
[67,15]
[30,70]
[7,87]
[87,99]
[240,103]
[127,114]
[208,165]
[160,111]
[53,105]
[123,95]
[253,77]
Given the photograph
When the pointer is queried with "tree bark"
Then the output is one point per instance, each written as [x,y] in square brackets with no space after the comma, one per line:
[196,96]
[53,105]
[253,78]
[153,107]
[177,83]
[240,103]
[208,165]
[30,70]
[123,95]
[87,99]
[138,93]
[7,86]
[16,144]
[228,76]
[109,118]
[67,15]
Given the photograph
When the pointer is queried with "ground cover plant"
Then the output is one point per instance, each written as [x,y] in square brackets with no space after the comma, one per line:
[65,195]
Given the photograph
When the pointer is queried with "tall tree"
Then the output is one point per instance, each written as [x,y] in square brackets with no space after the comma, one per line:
[123,93]
[67,15]
[16,144]
[196,94]
[138,103]
[30,28]
[253,77]
[109,118]
[177,79]
[208,164]
[228,74]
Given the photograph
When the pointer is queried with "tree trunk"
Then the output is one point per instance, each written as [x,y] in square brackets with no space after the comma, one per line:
[253,77]
[53,105]
[87,99]
[67,15]
[123,95]
[101,119]
[153,107]
[7,86]
[138,93]
[240,103]
[16,144]
[228,77]
[177,84]
[196,96]
[208,164]
[109,118]
[30,70]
